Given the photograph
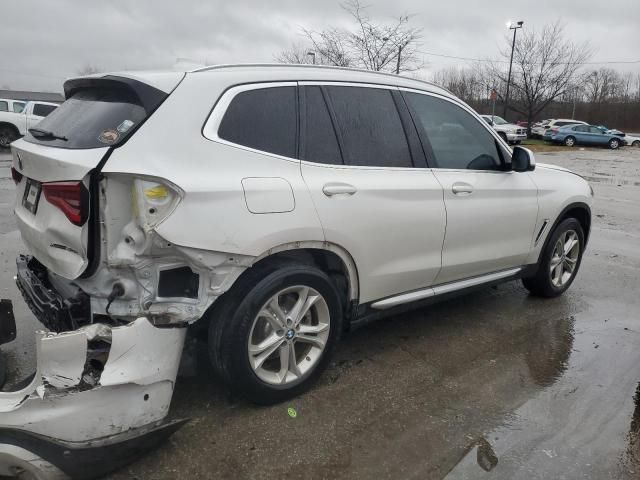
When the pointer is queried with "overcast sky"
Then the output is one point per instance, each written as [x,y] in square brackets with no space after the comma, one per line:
[43,42]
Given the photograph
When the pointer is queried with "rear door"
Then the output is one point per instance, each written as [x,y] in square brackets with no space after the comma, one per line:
[55,159]
[491,213]
[364,167]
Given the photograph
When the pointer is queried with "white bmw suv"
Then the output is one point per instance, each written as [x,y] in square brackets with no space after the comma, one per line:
[273,207]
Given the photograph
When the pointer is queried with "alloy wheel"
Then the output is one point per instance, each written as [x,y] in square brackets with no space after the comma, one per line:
[564,258]
[289,335]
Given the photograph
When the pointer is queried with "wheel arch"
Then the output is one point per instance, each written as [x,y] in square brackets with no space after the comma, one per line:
[324,255]
[578,210]
[10,125]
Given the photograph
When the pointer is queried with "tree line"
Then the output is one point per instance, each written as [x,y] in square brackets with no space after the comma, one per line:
[551,76]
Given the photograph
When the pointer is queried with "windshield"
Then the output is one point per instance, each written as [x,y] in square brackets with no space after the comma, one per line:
[93,117]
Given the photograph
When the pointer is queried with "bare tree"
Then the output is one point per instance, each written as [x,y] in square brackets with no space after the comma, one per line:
[545,66]
[331,46]
[390,46]
[602,85]
[368,44]
[88,69]
[295,54]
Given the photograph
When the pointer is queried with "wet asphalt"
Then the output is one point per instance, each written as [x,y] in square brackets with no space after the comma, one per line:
[495,385]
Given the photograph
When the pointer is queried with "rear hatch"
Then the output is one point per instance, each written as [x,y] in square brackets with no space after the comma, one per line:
[56,166]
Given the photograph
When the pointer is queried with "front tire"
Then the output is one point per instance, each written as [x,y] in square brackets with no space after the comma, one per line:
[276,332]
[569,141]
[559,261]
[614,144]
[636,144]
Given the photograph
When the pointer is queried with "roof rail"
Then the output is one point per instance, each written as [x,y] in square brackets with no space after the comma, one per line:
[310,66]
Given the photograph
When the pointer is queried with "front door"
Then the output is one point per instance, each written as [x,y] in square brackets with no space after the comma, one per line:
[364,169]
[491,213]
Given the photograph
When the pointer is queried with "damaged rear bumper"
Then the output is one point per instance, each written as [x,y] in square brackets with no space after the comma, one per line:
[98,399]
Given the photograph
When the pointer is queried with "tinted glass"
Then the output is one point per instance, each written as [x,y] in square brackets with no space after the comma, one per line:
[561,124]
[580,128]
[4,106]
[18,106]
[370,127]
[91,118]
[458,139]
[264,119]
[320,143]
[594,130]
[42,110]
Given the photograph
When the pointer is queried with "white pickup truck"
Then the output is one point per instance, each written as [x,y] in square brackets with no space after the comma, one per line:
[14,125]
[511,133]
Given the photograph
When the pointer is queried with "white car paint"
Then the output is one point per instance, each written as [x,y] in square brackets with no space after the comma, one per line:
[176,195]
[512,132]
[25,119]
[631,140]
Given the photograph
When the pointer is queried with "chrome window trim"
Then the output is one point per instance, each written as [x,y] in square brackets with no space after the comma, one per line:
[211,126]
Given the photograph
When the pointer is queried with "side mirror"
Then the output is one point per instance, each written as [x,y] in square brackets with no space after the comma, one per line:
[522,160]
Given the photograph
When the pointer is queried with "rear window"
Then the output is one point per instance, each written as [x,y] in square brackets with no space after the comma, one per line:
[91,118]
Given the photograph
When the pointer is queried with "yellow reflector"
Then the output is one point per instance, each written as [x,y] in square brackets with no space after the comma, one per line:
[157,192]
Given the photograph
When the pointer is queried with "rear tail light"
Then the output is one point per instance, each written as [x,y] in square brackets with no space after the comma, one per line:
[154,201]
[70,197]
[554,130]
[16,175]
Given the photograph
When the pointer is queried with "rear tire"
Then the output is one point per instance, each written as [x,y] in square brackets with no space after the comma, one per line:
[614,144]
[558,264]
[636,144]
[7,135]
[260,310]
[569,141]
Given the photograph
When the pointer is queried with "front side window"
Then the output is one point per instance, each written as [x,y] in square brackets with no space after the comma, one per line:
[369,127]
[42,110]
[458,140]
[264,119]
[580,128]
[593,130]
[18,107]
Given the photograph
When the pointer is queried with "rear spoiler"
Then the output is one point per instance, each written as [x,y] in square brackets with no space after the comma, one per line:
[150,97]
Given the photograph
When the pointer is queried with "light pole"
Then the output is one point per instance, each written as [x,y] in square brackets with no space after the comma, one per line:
[312,54]
[514,27]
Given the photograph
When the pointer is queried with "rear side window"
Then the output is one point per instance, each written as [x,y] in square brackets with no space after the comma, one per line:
[4,106]
[18,107]
[369,127]
[319,143]
[92,117]
[561,124]
[264,119]
[42,110]
[458,140]
[581,128]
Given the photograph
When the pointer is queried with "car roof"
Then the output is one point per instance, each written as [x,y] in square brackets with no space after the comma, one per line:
[166,80]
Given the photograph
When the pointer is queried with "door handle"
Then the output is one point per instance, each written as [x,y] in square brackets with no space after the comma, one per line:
[331,189]
[461,188]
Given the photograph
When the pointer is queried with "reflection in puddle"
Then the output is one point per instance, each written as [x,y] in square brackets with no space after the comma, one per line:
[549,349]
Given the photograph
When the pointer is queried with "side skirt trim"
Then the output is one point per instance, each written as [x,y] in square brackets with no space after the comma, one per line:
[442,289]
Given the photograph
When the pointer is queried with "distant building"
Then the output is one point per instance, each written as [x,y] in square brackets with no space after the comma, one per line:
[36,96]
